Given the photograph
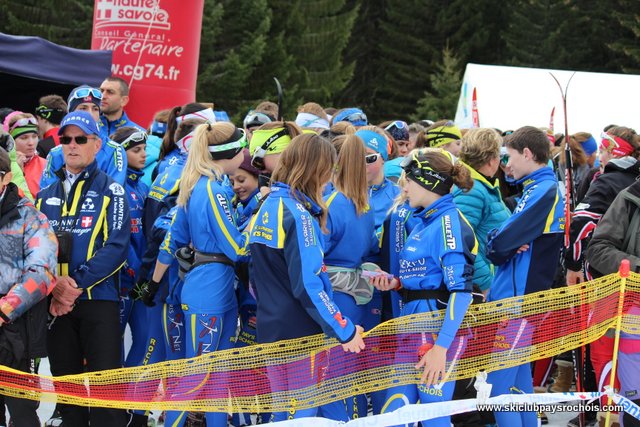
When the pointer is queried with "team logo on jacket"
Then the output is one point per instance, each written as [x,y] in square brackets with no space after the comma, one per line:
[448,233]
[53,201]
[86,221]
[88,205]
[341,321]
[116,189]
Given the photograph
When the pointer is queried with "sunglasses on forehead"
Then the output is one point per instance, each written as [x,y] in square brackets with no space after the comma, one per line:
[134,137]
[80,140]
[26,121]
[86,91]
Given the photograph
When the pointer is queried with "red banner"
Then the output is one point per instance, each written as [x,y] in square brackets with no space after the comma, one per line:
[155,46]
[474,109]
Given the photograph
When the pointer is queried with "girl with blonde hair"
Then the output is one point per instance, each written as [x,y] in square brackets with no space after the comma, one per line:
[482,205]
[204,228]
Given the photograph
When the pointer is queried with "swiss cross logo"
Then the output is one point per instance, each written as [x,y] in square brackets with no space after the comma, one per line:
[86,221]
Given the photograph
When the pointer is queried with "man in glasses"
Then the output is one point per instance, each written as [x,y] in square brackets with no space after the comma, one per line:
[115,96]
[28,250]
[89,212]
[111,158]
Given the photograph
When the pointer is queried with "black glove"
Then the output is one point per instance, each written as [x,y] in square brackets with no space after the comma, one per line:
[149,291]
[135,293]
[145,290]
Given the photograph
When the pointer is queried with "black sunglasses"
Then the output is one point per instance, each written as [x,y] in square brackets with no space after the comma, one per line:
[80,140]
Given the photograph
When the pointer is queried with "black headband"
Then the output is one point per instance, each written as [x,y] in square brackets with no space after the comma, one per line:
[54,115]
[229,148]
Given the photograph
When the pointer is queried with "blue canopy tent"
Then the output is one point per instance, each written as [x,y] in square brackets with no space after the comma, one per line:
[31,67]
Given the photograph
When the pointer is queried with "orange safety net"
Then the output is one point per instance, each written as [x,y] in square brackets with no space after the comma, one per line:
[312,371]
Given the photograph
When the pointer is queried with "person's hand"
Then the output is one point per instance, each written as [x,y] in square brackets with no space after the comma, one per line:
[523,248]
[382,282]
[148,291]
[357,343]
[434,363]
[21,159]
[574,277]
[66,290]
[57,308]
[135,293]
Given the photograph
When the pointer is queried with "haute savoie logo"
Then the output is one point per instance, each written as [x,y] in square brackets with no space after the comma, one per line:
[140,13]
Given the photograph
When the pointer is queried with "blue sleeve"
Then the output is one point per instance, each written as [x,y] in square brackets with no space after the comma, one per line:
[177,237]
[116,166]
[116,227]
[310,285]
[525,225]
[234,244]
[54,162]
[456,309]
[456,257]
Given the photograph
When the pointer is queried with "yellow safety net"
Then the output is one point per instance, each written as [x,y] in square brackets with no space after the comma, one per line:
[312,371]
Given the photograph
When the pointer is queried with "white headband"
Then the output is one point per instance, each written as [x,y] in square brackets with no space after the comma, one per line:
[307,120]
[185,142]
[206,114]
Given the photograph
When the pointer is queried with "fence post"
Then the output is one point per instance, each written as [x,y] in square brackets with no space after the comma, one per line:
[623,273]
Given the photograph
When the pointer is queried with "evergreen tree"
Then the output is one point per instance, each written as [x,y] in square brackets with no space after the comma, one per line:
[318,50]
[625,46]
[528,39]
[65,22]
[475,29]
[277,61]
[441,101]
[362,49]
[233,43]
[408,50]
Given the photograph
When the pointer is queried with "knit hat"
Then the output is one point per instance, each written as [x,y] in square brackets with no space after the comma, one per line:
[443,135]
[589,146]
[23,126]
[83,94]
[246,163]
[375,141]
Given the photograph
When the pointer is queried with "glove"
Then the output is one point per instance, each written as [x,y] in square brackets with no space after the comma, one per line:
[148,292]
[135,293]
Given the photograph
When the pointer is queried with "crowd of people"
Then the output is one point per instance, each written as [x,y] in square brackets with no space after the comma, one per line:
[200,236]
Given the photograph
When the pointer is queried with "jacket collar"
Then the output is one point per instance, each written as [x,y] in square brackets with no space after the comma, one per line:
[477,176]
[134,175]
[435,209]
[545,173]
[86,173]
[282,190]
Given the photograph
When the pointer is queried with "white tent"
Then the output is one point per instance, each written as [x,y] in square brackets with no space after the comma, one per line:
[511,97]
